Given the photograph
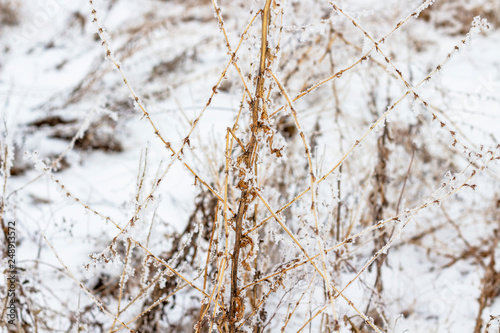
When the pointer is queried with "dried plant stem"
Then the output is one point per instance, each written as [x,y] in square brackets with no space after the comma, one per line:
[177,155]
[410,213]
[321,272]
[5,171]
[99,304]
[109,219]
[313,194]
[365,135]
[249,155]
[122,284]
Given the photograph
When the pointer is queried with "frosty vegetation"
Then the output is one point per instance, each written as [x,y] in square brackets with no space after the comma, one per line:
[251,166]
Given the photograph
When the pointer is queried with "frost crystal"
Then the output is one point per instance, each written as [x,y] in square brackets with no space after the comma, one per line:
[423,6]
[478,25]
[38,163]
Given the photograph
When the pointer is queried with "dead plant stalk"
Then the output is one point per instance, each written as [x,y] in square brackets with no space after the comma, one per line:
[248,157]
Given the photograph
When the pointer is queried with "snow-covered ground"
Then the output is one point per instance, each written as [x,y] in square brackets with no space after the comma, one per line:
[113,227]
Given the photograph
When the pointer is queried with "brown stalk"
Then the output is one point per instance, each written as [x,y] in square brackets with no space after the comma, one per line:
[248,157]
[490,282]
